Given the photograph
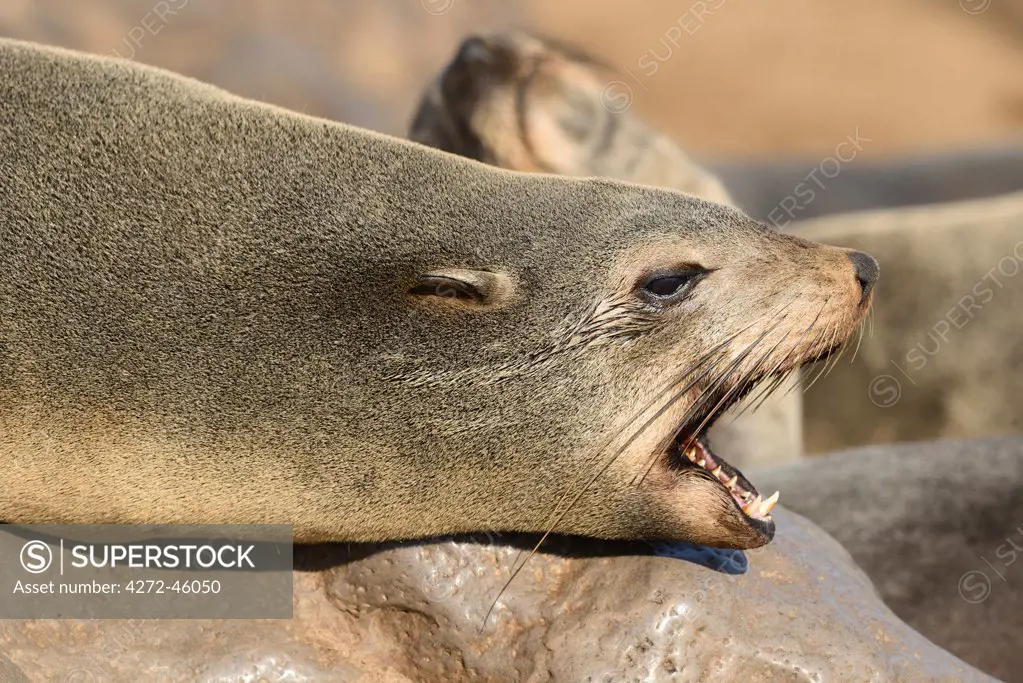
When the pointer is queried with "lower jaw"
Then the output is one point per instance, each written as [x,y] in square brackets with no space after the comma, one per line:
[697,453]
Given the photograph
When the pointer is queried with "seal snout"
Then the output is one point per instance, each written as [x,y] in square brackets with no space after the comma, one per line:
[867,271]
[465,78]
[472,51]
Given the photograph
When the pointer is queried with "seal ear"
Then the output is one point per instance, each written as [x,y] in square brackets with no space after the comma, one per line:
[464,288]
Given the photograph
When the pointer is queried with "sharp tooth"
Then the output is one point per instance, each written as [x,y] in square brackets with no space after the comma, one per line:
[717,472]
[752,506]
[701,462]
[766,506]
[732,482]
[691,454]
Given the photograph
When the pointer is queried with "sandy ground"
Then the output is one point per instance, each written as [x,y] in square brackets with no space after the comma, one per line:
[731,79]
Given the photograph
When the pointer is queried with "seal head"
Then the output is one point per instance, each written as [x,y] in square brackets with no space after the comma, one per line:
[528,103]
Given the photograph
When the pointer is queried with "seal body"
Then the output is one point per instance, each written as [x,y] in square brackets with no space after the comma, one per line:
[936,526]
[531,104]
[214,310]
[939,361]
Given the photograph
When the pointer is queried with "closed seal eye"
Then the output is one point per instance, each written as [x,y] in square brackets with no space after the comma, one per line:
[671,286]
[464,289]
[447,287]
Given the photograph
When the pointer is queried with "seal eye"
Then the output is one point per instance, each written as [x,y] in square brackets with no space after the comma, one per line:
[462,289]
[675,285]
[447,287]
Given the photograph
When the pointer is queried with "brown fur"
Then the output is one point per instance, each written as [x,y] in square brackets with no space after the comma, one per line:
[212,310]
[527,104]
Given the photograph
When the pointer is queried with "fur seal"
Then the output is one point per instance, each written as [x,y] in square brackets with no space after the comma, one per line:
[938,527]
[216,310]
[527,103]
[531,104]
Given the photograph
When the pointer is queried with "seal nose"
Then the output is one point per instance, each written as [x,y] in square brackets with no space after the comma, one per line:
[461,79]
[866,270]
[472,51]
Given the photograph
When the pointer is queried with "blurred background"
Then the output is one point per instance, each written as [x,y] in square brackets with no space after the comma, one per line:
[730,80]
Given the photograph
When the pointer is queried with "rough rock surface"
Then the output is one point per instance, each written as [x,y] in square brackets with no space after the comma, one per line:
[938,527]
[798,609]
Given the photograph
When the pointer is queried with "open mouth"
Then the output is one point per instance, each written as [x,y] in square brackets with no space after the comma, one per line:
[691,452]
[690,449]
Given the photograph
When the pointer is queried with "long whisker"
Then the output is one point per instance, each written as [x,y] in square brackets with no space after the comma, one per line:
[795,385]
[785,377]
[836,347]
[557,517]
[859,340]
[671,402]
[768,385]
[771,387]
[700,400]
[671,386]
[830,362]
[736,388]
[831,342]
[679,394]
[838,356]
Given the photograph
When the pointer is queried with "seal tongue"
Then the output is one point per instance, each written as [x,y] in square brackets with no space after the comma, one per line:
[750,502]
